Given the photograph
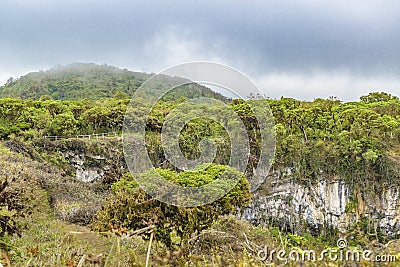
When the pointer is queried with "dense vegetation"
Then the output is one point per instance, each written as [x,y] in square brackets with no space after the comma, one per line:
[356,141]
[353,140]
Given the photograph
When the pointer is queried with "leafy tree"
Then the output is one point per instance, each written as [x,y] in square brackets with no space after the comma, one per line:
[63,124]
[132,208]
[10,81]
[121,95]
[45,97]
[378,97]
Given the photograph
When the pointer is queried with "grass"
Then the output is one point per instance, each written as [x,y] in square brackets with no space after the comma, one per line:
[4,150]
[230,242]
[62,244]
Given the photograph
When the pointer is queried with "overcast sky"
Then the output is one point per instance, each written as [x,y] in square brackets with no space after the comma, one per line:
[301,49]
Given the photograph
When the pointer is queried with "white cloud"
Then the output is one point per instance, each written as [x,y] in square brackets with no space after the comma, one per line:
[175,46]
[11,72]
[286,37]
[345,86]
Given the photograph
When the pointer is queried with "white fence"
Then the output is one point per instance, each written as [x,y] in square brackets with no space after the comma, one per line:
[98,136]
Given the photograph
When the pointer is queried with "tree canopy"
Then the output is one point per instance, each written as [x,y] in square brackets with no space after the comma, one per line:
[351,139]
[130,207]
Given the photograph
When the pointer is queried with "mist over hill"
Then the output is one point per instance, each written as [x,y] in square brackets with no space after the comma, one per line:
[91,81]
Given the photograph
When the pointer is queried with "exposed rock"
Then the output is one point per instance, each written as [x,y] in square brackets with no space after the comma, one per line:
[78,160]
[329,202]
[93,161]
[88,176]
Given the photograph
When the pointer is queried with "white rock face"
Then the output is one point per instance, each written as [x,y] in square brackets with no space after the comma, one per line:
[87,176]
[85,173]
[322,204]
[391,210]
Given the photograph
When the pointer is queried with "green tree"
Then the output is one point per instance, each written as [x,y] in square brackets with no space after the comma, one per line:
[130,207]
[63,124]
[378,97]
[121,95]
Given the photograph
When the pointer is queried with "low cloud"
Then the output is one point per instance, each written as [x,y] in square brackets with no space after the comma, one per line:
[339,44]
[345,86]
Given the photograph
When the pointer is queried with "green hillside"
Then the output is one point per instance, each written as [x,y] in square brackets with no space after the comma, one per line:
[97,222]
[89,81]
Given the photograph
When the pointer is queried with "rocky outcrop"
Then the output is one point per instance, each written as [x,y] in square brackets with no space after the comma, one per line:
[327,203]
[87,160]
[88,167]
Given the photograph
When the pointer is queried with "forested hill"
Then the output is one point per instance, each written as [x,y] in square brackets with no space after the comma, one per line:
[90,81]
